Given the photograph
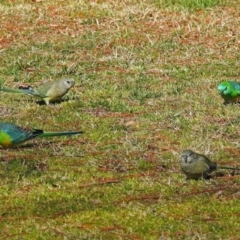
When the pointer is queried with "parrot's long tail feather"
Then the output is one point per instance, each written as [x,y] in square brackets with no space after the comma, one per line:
[52,134]
[229,168]
[23,91]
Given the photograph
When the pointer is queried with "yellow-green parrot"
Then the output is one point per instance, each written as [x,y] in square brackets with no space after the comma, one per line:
[12,135]
[48,91]
[195,165]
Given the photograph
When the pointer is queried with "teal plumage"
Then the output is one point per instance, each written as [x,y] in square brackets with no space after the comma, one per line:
[12,135]
[230,91]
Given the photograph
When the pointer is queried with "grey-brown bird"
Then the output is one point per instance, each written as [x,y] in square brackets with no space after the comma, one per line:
[195,165]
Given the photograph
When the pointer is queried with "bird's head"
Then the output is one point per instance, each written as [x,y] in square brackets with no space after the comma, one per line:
[187,156]
[68,82]
[223,88]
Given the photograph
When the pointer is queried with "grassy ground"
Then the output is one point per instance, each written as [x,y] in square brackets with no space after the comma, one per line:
[146,78]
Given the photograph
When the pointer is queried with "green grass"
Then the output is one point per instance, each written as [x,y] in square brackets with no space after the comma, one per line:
[146,88]
[188,4]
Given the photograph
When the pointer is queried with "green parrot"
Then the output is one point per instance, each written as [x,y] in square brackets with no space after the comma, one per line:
[12,135]
[48,91]
[230,91]
[195,165]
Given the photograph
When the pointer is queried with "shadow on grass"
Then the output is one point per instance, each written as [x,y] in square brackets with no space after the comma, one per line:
[56,102]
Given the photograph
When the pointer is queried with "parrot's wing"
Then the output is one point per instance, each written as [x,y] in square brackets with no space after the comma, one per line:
[18,134]
[42,90]
[235,86]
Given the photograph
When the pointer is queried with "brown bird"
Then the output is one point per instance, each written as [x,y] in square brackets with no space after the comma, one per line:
[195,165]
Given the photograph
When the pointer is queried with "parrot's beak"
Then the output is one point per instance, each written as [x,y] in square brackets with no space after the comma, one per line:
[221,89]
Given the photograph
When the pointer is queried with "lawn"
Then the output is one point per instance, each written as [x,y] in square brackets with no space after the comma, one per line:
[146,76]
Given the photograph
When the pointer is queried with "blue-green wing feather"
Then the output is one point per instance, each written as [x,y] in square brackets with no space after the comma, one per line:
[18,134]
[235,85]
